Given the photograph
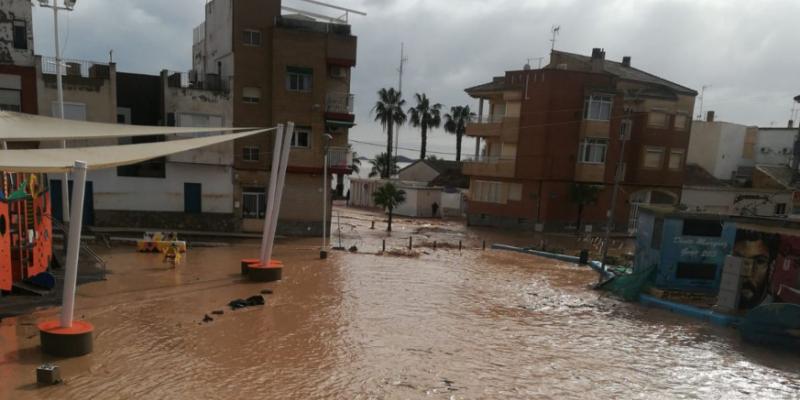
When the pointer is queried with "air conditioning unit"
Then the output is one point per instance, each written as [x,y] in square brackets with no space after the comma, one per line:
[765,150]
[338,72]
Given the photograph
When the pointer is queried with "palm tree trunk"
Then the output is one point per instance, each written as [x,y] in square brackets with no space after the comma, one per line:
[458,145]
[389,228]
[424,142]
[390,132]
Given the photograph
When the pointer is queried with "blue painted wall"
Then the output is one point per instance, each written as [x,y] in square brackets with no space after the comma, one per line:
[676,248]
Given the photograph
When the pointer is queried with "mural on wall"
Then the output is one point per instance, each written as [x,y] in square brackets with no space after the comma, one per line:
[774,275]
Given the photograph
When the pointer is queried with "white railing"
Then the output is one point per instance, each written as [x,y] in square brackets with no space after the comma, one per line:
[340,157]
[486,119]
[82,68]
[489,159]
[339,103]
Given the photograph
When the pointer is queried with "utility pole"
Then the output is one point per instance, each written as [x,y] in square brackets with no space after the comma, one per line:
[68,6]
[403,60]
[625,135]
[702,97]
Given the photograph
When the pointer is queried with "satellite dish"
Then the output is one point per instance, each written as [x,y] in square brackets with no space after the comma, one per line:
[70,3]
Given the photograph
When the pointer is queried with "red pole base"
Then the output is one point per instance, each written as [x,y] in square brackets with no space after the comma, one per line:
[66,342]
[265,273]
[246,262]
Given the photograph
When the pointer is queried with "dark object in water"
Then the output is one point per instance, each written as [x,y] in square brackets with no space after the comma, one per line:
[353,249]
[256,300]
[776,324]
[44,280]
[266,291]
[48,374]
[218,312]
[236,304]
[207,318]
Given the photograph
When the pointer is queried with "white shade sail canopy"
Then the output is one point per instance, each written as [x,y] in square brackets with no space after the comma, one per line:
[27,127]
[99,157]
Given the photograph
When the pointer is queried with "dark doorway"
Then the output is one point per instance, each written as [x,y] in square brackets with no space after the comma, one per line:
[192,198]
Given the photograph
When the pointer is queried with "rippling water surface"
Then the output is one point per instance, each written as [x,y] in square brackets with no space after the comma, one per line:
[446,324]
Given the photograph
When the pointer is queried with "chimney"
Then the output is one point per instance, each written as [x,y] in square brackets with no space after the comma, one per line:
[626,61]
[791,124]
[598,59]
[710,116]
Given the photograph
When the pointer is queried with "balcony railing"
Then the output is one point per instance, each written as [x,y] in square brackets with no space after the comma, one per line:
[486,119]
[339,103]
[77,68]
[340,157]
[489,159]
[312,26]
[190,80]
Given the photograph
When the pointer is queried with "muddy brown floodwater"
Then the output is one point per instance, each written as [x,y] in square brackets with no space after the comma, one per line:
[440,324]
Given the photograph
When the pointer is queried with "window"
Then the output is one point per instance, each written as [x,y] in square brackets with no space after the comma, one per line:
[299,79]
[254,202]
[514,191]
[593,151]
[780,209]
[653,157]
[681,122]
[20,35]
[699,227]
[251,95]
[10,100]
[676,159]
[301,138]
[250,153]
[657,119]
[490,192]
[597,108]
[251,37]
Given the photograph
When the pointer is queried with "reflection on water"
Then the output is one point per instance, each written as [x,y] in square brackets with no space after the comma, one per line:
[445,325]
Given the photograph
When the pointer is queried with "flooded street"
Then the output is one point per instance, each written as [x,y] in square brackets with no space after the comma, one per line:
[437,324]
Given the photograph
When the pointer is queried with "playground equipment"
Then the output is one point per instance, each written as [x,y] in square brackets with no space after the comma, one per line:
[160,242]
[26,228]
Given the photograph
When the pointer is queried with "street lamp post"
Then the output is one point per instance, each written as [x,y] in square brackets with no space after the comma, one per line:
[69,5]
[796,149]
[323,252]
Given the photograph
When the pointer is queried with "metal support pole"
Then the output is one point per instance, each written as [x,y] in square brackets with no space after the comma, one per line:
[60,91]
[281,180]
[73,246]
[324,248]
[273,179]
[617,178]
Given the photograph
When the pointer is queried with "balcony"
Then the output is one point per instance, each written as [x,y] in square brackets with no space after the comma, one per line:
[494,126]
[492,166]
[339,109]
[340,159]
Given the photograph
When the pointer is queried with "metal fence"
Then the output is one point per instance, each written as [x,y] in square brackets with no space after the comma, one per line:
[77,68]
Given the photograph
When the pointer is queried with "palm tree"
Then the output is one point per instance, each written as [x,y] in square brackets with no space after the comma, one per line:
[355,166]
[379,166]
[389,111]
[583,194]
[389,197]
[456,123]
[424,116]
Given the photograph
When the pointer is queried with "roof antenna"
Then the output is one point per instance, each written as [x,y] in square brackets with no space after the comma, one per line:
[554,30]
[702,97]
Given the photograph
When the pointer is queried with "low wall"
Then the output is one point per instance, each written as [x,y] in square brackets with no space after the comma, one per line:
[210,222]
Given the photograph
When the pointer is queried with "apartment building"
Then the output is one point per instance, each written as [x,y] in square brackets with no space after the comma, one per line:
[285,66]
[542,130]
[17,72]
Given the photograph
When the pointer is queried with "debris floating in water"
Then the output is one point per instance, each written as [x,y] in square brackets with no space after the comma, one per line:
[266,291]
[207,318]
[256,300]
[218,312]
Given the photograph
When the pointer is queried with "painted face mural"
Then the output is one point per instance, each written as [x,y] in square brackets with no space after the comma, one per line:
[761,248]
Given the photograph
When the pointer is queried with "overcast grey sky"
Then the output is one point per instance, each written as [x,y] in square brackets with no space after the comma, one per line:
[748,51]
